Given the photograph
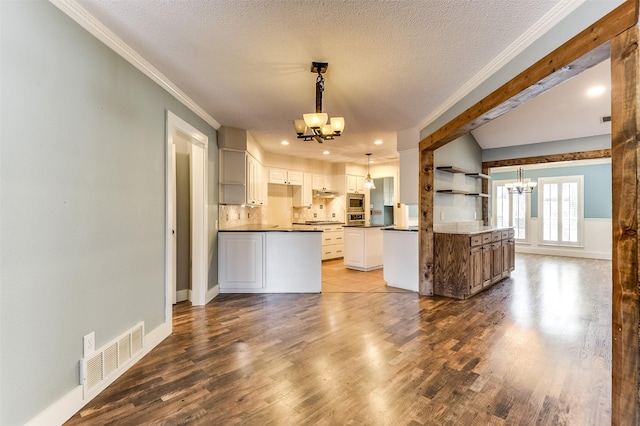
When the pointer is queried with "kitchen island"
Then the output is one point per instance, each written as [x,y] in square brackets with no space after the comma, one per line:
[267,259]
[400,257]
[363,247]
[468,259]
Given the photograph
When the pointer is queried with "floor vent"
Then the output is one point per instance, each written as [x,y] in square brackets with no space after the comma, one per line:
[98,367]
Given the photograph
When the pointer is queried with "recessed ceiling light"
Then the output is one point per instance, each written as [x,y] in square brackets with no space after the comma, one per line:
[326,152]
[378,142]
[596,91]
[284,143]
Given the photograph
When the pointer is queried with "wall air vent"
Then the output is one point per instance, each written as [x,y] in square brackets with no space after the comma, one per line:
[605,119]
[100,368]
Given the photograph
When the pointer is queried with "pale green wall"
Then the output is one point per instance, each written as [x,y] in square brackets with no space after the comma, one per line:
[82,201]
[597,186]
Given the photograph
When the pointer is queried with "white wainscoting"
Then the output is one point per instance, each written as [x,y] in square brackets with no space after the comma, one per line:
[597,241]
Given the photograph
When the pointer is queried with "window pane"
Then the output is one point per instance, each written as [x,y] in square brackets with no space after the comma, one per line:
[570,212]
[550,212]
[502,206]
[519,203]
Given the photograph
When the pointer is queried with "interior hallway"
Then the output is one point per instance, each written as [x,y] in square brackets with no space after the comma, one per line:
[534,349]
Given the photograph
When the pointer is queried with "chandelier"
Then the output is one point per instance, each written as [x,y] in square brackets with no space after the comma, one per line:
[520,186]
[368,182]
[320,127]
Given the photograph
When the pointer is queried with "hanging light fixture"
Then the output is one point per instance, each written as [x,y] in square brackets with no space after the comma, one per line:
[520,186]
[318,123]
[368,182]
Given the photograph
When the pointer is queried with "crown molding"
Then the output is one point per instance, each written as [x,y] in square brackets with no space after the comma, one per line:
[557,13]
[105,35]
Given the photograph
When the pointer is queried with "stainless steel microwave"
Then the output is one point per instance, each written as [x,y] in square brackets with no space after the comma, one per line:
[355,202]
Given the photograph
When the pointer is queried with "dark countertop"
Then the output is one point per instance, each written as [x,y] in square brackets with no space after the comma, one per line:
[264,228]
[365,226]
[466,229]
[401,228]
[320,222]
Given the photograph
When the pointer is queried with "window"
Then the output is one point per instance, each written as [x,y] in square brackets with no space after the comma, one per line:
[561,210]
[512,210]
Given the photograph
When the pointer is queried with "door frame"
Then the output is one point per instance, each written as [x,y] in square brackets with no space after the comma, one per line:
[199,212]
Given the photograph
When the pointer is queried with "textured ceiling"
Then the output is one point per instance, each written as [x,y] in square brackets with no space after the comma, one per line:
[391,63]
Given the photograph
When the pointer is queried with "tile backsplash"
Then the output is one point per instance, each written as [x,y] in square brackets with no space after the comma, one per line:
[279,212]
[321,209]
[234,216]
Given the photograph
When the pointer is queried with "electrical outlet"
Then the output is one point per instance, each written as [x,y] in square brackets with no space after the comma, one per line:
[89,344]
[333,215]
[315,215]
[227,217]
[248,215]
[321,206]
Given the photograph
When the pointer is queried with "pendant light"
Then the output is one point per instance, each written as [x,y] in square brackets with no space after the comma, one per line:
[368,182]
[321,127]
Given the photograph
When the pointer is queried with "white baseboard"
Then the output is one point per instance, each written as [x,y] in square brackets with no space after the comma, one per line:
[212,293]
[553,251]
[182,295]
[62,410]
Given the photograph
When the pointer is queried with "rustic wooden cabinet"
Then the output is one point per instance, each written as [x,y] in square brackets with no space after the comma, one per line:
[466,263]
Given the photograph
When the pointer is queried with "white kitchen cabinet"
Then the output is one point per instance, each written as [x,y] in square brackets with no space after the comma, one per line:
[332,242]
[255,185]
[355,184]
[233,177]
[400,253]
[241,179]
[322,182]
[363,248]
[241,260]
[302,194]
[269,262]
[285,177]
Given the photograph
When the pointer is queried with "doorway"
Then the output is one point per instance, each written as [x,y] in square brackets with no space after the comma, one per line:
[184,142]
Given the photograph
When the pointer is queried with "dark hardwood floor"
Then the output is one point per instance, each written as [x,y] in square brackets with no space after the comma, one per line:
[534,349]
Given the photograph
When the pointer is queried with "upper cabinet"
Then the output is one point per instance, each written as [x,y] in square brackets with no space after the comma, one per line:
[285,177]
[241,179]
[302,195]
[322,182]
[255,187]
[355,184]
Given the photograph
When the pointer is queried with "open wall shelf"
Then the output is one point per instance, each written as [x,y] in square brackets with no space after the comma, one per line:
[475,175]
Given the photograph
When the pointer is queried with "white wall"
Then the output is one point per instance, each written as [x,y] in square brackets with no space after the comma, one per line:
[597,241]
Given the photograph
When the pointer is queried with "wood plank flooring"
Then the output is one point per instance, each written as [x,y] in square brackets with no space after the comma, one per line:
[534,349]
[336,278]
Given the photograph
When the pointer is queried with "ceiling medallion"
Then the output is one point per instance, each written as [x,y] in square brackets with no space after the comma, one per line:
[321,128]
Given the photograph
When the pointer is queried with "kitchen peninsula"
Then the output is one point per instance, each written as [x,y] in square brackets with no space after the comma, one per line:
[267,259]
[469,258]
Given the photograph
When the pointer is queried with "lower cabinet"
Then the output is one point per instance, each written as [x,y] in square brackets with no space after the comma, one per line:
[332,242]
[241,258]
[464,264]
[363,248]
